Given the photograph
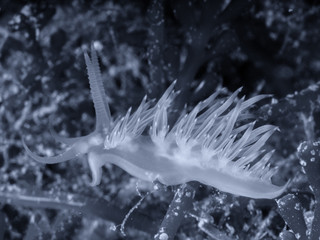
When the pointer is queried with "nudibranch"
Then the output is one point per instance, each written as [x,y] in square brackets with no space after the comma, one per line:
[211,144]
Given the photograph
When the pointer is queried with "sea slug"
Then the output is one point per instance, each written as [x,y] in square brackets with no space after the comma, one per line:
[213,144]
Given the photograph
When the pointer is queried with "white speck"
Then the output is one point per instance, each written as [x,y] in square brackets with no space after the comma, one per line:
[163,236]
[310,187]
[69,197]
[300,149]
[308,218]
[113,227]
[308,232]
[312,159]
[303,163]
[230,228]
[97,45]
[200,86]
[281,203]
[313,87]
[313,152]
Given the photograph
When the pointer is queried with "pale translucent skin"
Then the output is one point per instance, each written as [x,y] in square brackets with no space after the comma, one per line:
[205,145]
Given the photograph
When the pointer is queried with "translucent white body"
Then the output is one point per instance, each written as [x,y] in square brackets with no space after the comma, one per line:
[210,144]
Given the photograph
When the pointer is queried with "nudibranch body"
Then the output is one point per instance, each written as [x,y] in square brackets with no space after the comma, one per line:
[210,144]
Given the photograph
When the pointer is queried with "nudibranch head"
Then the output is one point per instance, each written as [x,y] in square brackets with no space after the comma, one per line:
[213,144]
